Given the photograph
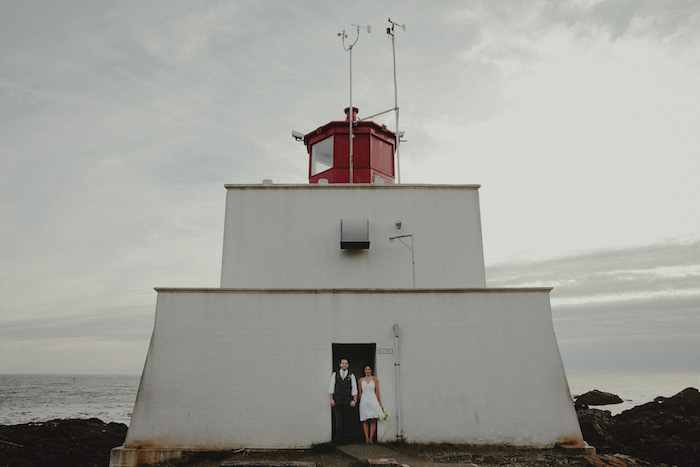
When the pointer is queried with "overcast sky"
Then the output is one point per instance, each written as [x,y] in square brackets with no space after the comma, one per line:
[120,122]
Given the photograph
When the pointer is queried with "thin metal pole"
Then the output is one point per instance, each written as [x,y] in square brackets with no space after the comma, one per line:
[351,111]
[413,258]
[396,107]
[397,376]
[413,263]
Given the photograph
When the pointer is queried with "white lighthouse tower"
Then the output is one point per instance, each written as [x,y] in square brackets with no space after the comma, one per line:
[390,275]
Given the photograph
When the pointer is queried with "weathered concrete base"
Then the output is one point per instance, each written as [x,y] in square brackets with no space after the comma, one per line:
[131,457]
[383,461]
[378,455]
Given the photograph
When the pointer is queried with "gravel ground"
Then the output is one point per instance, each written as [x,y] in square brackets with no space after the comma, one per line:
[76,443]
[328,456]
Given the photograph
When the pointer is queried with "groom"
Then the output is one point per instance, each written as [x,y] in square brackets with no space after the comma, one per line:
[343,392]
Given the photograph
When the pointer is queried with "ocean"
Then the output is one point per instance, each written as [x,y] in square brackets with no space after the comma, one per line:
[633,388]
[36,398]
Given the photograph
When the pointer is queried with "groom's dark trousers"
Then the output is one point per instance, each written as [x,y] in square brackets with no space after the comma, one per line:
[342,410]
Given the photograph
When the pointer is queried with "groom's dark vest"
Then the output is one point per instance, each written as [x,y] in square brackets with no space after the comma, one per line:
[343,388]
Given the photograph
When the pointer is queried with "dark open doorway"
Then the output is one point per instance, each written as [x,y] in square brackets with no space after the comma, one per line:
[358,356]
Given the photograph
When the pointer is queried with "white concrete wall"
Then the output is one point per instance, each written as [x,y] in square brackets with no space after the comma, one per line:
[288,236]
[251,368]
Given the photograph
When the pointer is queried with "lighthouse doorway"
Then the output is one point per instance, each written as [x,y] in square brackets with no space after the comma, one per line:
[358,356]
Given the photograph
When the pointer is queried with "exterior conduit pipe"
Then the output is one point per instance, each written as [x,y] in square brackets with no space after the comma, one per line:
[397,367]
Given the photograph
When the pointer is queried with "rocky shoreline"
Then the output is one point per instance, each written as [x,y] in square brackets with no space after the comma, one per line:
[663,432]
[58,443]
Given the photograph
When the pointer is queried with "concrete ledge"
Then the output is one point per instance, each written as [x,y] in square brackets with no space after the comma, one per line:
[352,186]
[574,450]
[499,290]
[383,461]
[377,455]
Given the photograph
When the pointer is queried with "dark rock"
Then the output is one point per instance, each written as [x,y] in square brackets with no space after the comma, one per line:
[596,428]
[596,397]
[73,442]
[579,406]
[607,460]
[664,431]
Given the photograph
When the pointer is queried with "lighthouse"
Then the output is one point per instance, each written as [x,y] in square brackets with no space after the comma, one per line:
[358,267]
[330,158]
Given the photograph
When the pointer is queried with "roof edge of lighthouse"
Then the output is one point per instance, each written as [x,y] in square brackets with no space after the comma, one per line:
[351,186]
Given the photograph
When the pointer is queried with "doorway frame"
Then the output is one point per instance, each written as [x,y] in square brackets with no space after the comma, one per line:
[358,355]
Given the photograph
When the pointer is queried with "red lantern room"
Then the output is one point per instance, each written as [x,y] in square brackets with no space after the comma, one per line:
[372,152]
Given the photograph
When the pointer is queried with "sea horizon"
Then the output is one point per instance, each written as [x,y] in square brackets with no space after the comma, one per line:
[37,397]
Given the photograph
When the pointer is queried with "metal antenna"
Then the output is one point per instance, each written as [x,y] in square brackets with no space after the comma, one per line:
[390,31]
[351,112]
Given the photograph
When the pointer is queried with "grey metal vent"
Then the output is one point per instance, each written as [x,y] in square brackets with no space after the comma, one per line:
[354,234]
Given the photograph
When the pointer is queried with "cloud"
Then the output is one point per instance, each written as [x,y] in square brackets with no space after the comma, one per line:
[675,20]
[127,324]
[72,356]
[661,335]
[670,21]
[622,309]
[121,123]
[652,272]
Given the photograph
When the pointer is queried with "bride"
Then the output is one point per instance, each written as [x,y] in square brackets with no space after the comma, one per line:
[371,407]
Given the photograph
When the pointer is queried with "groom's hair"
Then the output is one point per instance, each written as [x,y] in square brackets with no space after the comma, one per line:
[343,359]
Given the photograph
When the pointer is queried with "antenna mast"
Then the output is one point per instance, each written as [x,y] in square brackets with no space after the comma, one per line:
[390,31]
[351,112]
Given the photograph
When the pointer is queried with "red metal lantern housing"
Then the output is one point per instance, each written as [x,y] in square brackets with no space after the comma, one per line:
[329,152]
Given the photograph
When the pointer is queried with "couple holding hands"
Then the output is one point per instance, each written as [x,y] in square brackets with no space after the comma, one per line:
[345,394]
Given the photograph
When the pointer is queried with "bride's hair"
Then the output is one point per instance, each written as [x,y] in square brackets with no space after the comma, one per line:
[366,366]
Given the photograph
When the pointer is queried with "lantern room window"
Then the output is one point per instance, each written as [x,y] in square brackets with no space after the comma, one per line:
[322,156]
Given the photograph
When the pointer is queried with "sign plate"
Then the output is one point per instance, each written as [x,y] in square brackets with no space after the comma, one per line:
[379,351]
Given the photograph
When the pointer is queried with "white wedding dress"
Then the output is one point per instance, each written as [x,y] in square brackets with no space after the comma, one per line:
[369,405]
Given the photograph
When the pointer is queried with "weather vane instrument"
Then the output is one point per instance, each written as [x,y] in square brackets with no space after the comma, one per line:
[351,113]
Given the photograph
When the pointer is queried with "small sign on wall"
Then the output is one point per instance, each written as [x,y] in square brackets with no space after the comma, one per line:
[385,351]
